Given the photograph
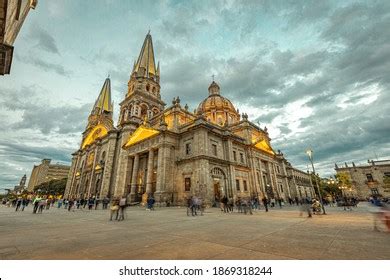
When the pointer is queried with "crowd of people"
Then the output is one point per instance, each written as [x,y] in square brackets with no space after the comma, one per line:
[195,204]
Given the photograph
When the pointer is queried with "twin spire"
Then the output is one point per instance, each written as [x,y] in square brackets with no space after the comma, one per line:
[145,65]
[103,102]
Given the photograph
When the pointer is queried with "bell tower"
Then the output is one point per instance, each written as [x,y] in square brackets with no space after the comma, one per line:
[143,99]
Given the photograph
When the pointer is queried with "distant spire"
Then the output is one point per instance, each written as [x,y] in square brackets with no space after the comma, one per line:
[103,102]
[145,65]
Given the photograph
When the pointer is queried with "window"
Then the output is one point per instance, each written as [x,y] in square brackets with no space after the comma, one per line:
[278,168]
[242,157]
[281,188]
[374,191]
[18,7]
[369,177]
[237,185]
[245,186]
[187,184]
[188,148]
[214,149]
[147,87]
[234,156]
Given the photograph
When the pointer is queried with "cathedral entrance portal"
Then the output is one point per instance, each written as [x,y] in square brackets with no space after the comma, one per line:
[220,186]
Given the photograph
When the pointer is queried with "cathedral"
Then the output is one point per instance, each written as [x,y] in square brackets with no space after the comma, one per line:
[172,153]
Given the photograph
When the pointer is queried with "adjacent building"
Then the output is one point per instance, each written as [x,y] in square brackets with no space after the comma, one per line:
[371,179]
[12,15]
[22,184]
[45,172]
[173,153]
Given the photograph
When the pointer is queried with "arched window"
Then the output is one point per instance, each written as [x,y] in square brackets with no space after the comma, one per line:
[103,157]
[147,87]
[130,111]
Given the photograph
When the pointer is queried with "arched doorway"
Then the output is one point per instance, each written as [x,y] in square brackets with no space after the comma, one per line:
[220,185]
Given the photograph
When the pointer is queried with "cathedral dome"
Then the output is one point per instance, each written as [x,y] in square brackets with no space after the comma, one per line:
[218,109]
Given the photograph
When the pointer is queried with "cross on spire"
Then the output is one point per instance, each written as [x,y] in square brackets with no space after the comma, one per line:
[213,76]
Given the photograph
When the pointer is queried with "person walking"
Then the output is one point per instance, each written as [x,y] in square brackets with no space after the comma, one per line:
[18,204]
[36,201]
[280,201]
[114,209]
[247,206]
[59,203]
[41,204]
[70,204]
[224,201]
[91,202]
[265,202]
[97,201]
[24,203]
[239,205]
[122,206]
[306,207]
[150,203]
[105,202]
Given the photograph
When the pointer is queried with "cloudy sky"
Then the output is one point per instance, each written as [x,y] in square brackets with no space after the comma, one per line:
[316,73]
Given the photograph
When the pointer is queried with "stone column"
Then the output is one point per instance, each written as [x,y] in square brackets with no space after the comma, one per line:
[262,183]
[149,175]
[134,177]
[160,173]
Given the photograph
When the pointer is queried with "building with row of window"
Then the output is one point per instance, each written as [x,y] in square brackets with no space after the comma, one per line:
[172,153]
[46,172]
[371,179]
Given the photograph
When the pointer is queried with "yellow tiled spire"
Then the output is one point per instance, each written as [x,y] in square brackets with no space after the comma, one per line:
[145,65]
[103,102]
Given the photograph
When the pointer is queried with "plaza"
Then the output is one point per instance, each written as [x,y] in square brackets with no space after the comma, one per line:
[168,233]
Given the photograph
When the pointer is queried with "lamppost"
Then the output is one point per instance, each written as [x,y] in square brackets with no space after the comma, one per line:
[309,152]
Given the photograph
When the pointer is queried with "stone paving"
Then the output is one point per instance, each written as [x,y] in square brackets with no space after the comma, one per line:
[168,233]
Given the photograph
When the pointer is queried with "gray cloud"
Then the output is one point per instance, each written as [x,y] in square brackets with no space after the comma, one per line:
[46,66]
[37,113]
[43,39]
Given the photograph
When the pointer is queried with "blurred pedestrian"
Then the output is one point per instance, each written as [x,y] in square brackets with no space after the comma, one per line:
[114,209]
[122,206]
[265,202]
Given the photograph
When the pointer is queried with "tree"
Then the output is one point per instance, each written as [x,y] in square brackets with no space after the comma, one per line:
[53,187]
[344,179]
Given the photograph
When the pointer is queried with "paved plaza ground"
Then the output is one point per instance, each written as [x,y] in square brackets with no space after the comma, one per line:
[168,233]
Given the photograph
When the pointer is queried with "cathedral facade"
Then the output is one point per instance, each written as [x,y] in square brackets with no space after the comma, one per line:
[172,153]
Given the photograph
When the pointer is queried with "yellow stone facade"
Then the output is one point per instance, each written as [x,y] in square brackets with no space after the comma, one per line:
[172,153]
